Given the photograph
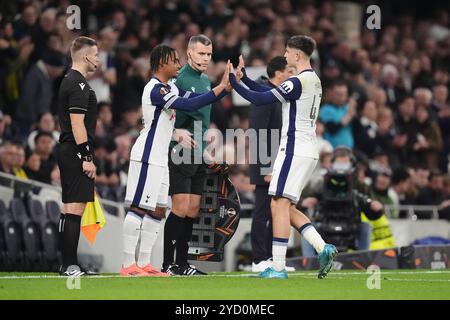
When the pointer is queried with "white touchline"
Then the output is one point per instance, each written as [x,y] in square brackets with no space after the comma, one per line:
[250,275]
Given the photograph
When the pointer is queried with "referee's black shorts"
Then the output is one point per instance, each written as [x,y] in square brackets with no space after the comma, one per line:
[76,185]
[186,178]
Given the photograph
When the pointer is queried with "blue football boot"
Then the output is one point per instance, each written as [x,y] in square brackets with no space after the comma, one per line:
[326,260]
[272,273]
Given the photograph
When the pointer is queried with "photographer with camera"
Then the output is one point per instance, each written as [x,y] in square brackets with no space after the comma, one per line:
[343,210]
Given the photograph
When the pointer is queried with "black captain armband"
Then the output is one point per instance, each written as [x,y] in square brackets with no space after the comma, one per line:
[84,152]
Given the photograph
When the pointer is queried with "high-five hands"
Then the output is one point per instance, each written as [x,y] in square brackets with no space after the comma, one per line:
[225,82]
[230,67]
[239,72]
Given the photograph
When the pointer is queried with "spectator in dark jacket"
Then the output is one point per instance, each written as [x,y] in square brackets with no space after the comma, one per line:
[32,166]
[43,32]
[385,131]
[380,188]
[441,108]
[105,127]
[106,172]
[402,190]
[26,26]
[7,151]
[129,89]
[37,89]
[406,129]
[394,92]
[365,129]
[429,139]
[46,123]
[432,194]
[14,59]
[44,148]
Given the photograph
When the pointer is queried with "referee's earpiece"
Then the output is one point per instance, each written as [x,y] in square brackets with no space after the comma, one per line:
[197,64]
[95,66]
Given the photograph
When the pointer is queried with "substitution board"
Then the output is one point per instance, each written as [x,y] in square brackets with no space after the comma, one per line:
[217,221]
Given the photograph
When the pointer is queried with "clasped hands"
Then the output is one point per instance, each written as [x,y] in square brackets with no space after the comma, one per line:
[225,82]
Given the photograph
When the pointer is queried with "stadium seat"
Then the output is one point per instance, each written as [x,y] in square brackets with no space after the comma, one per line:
[48,232]
[13,244]
[53,211]
[11,235]
[36,210]
[50,245]
[30,235]
[19,211]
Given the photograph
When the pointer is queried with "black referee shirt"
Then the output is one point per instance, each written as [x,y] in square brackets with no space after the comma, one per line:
[76,96]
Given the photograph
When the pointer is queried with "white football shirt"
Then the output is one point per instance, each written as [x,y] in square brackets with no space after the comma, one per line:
[152,145]
[300,96]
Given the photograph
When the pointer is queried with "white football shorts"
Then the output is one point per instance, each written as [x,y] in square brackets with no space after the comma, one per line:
[290,175]
[147,185]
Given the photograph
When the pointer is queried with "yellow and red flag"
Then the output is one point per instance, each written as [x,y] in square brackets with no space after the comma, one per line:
[93,219]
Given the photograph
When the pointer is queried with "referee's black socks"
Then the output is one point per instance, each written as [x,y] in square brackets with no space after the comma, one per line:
[61,235]
[172,230]
[183,242]
[70,225]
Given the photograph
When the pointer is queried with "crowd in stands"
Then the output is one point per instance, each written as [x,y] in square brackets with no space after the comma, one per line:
[386,98]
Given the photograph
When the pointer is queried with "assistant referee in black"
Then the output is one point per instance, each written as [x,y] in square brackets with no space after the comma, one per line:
[77,116]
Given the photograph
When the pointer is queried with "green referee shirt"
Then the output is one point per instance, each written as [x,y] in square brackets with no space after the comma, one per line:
[192,80]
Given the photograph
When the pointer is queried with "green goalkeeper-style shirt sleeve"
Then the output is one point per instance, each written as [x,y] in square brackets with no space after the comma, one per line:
[191,80]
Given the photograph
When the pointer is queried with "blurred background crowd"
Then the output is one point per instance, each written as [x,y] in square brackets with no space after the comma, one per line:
[390,84]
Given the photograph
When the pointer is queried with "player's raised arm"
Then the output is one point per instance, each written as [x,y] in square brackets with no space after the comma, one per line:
[242,75]
[190,101]
[288,90]
[253,85]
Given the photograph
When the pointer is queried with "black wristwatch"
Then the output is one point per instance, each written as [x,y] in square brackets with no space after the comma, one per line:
[88,158]
[84,152]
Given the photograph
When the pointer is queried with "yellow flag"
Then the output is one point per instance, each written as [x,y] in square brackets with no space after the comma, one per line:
[93,219]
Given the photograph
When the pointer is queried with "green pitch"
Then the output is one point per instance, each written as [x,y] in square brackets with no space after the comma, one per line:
[351,284]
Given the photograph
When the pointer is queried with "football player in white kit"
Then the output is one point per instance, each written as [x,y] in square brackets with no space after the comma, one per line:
[298,153]
[148,175]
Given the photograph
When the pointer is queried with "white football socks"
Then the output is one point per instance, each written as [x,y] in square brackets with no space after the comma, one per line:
[149,233]
[279,248]
[313,237]
[131,230]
